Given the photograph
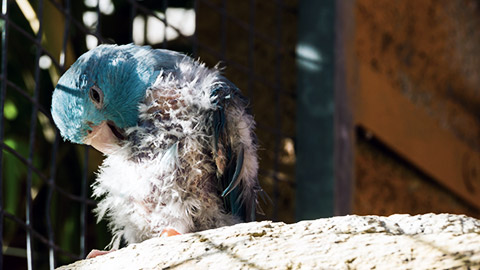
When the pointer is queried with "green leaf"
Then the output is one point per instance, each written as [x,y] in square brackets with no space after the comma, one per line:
[10,110]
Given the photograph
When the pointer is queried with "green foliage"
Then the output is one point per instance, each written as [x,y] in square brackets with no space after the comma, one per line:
[10,111]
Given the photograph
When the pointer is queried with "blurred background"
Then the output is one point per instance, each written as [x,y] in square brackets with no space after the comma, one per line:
[362,107]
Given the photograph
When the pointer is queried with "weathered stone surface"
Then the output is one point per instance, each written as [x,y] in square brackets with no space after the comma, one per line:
[428,241]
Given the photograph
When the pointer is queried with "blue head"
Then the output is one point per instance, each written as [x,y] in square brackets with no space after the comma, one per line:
[105,84]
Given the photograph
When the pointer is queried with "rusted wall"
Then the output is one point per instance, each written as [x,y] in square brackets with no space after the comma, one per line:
[428,54]
[386,184]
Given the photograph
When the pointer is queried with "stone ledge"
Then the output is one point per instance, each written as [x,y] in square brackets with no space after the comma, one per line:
[430,241]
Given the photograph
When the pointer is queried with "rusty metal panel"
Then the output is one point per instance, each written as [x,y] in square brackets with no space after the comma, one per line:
[413,70]
[385,184]
[412,133]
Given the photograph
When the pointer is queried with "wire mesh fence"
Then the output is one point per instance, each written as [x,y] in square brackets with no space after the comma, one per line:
[45,203]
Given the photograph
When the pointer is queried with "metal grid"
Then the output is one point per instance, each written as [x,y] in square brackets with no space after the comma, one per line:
[52,191]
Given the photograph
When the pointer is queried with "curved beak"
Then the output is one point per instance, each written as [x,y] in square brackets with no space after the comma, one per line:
[105,137]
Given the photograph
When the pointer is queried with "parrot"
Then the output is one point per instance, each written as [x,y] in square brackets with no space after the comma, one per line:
[178,139]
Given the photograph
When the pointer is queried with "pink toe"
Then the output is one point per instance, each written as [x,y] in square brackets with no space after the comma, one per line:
[95,252]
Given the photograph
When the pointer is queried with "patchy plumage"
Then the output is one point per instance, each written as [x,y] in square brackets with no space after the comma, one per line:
[179,143]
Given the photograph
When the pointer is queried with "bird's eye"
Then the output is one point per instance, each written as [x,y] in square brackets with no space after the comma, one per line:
[96,95]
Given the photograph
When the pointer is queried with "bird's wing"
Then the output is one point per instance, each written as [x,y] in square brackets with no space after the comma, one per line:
[235,152]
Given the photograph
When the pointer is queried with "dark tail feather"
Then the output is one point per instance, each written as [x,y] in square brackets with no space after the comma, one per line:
[235,180]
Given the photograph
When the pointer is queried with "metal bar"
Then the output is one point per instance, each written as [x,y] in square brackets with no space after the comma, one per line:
[33,127]
[30,98]
[3,92]
[48,203]
[83,187]
[251,51]
[44,178]
[223,31]
[83,192]
[38,235]
[164,7]
[195,34]
[133,13]
[66,34]
[188,38]
[278,119]
[53,160]
[98,27]
[25,161]
[315,110]
[32,39]
[77,23]
[343,117]
[153,14]
[83,208]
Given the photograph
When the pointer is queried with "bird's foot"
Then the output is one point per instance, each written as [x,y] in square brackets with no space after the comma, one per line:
[95,252]
[169,232]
